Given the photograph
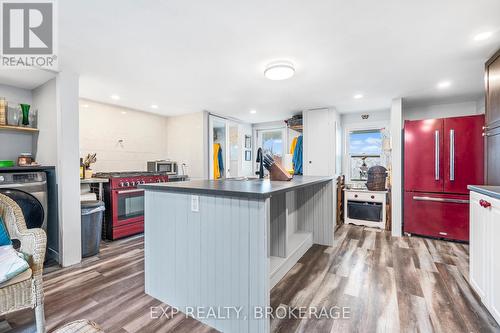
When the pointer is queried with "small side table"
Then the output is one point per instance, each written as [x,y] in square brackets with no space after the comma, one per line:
[99,181]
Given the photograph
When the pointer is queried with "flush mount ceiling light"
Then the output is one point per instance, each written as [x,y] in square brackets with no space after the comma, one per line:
[444,84]
[483,35]
[253,111]
[115,97]
[154,106]
[358,96]
[279,70]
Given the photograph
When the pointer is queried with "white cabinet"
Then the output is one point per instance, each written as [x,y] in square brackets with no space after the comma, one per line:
[319,142]
[484,248]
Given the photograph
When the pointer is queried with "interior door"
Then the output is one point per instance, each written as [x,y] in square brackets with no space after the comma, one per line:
[234,158]
[463,153]
[423,155]
[319,143]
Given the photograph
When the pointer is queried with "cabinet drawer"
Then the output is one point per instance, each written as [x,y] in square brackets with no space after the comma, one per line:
[362,196]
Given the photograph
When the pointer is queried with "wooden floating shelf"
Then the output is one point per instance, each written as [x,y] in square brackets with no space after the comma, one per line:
[18,128]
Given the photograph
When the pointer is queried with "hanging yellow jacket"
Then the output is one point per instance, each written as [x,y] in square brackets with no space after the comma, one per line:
[216,161]
[292,146]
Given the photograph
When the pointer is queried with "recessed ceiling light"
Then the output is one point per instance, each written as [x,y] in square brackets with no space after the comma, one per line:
[154,106]
[115,97]
[444,84]
[483,35]
[253,111]
[85,105]
[279,70]
[124,112]
[358,96]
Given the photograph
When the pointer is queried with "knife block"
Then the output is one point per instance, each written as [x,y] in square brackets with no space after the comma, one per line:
[277,172]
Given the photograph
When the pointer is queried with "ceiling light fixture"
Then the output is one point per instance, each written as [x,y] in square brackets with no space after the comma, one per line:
[124,112]
[279,70]
[85,105]
[358,96]
[253,111]
[115,97]
[154,106]
[483,36]
[444,84]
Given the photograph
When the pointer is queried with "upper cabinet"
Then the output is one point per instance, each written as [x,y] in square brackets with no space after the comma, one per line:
[493,91]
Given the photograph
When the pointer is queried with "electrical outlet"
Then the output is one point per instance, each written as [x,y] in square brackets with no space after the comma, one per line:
[195,203]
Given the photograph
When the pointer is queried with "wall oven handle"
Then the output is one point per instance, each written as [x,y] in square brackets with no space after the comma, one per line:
[436,154]
[460,201]
[130,191]
[452,155]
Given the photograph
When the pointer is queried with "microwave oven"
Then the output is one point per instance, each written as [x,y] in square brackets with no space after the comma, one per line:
[168,167]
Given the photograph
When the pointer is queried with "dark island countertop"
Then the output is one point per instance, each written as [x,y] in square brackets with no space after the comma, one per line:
[491,191]
[238,187]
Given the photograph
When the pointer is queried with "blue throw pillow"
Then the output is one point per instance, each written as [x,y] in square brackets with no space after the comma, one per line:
[4,235]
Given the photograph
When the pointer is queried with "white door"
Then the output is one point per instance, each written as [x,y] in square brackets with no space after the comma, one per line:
[319,143]
[478,246]
[494,260]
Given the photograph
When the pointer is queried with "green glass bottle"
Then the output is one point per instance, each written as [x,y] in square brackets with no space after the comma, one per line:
[26,114]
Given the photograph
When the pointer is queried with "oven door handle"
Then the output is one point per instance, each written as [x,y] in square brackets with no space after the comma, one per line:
[130,191]
[460,201]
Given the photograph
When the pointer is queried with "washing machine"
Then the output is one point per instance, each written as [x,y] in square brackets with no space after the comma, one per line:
[29,191]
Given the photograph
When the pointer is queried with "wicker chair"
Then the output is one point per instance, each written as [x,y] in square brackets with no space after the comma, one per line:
[27,292]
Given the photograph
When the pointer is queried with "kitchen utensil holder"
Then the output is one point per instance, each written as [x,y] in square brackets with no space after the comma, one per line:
[277,172]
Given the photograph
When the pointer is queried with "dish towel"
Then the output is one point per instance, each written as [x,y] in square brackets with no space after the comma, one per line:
[297,156]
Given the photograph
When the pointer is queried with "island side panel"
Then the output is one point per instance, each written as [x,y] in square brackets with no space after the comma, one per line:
[216,257]
[278,226]
[316,212]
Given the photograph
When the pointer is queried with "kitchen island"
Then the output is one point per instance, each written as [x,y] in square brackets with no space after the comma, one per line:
[214,249]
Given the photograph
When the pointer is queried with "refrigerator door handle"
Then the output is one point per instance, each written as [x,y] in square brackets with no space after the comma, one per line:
[452,154]
[436,154]
[460,201]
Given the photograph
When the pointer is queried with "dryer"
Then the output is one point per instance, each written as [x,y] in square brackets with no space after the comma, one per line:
[29,191]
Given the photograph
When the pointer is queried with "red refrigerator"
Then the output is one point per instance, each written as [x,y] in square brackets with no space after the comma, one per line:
[441,157]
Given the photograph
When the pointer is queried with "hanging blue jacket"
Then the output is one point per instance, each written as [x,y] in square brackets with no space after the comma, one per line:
[297,157]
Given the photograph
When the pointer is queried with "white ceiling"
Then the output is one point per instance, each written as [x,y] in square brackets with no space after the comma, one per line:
[188,56]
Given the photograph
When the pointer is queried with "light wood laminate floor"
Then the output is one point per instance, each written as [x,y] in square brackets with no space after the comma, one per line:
[387,284]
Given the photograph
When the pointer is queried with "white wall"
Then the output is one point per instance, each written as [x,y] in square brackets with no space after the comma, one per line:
[103,125]
[18,142]
[58,142]
[187,137]
[352,121]
[396,127]
[431,111]
[246,167]
[45,99]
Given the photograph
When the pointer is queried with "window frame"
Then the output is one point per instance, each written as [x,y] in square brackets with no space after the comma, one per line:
[375,126]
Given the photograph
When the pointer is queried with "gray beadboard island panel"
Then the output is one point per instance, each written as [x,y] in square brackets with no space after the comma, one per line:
[216,257]
[233,250]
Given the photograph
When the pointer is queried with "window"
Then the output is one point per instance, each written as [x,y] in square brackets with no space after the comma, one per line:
[364,149]
[272,141]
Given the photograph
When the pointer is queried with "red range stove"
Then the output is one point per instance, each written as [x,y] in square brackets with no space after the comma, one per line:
[125,202]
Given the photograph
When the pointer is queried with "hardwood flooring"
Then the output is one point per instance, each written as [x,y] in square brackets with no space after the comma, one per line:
[383,284]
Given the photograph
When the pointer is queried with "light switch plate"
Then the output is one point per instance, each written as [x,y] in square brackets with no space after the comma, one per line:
[195,203]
